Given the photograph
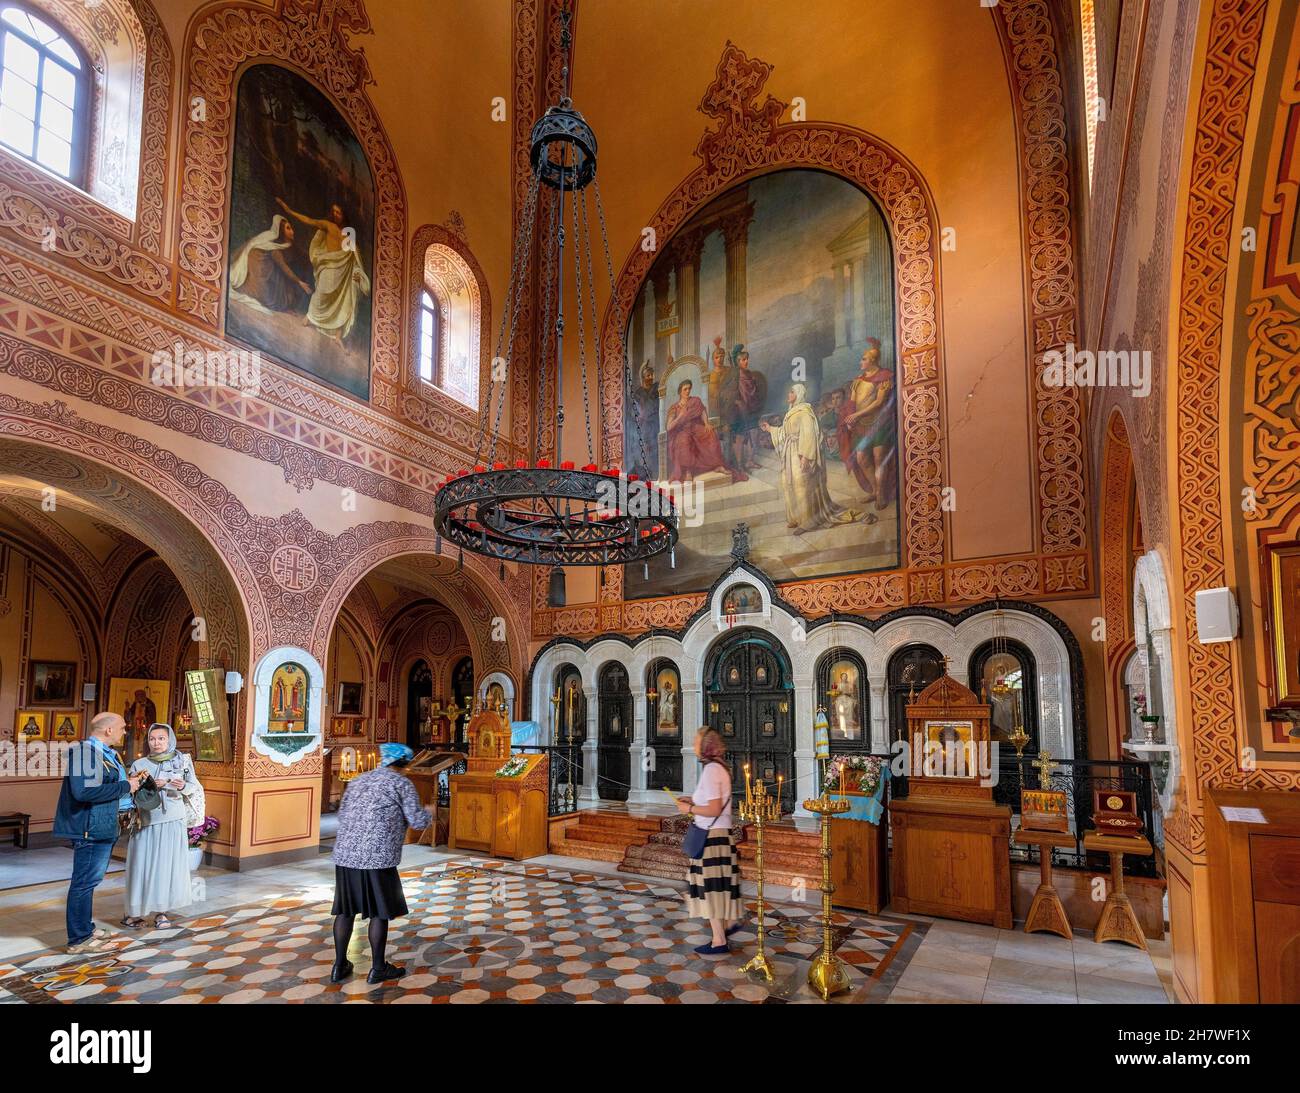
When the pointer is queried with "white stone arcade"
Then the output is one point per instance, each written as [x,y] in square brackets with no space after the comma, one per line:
[805,648]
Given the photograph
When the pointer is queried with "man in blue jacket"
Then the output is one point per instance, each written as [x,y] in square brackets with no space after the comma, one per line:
[95,789]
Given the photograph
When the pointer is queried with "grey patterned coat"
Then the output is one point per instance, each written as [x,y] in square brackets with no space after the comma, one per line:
[377,808]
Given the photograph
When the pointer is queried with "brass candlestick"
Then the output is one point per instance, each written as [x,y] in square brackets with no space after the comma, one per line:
[760,808]
[828,974]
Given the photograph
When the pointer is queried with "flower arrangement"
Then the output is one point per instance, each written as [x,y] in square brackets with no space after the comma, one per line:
[1140,704]
[845,769]
[206,828]
[512,766]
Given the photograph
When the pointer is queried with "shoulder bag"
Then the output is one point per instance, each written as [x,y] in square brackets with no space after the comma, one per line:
[696,837]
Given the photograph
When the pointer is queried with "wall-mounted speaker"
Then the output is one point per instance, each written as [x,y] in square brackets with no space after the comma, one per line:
[234,683]
[88,692]
[1216,615]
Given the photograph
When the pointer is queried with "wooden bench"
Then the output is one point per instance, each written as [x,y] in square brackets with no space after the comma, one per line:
[18,822]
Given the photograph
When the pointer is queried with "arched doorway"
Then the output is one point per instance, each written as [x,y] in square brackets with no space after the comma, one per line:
[910,671]
[419,697]
[751,702]
[1003,674]
[613,760]
[663,723]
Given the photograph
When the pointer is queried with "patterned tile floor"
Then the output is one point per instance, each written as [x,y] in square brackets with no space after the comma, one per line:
[479,930]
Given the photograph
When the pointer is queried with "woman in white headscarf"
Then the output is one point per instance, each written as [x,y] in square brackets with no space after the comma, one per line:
[157,856]
[261,277]
[798,441]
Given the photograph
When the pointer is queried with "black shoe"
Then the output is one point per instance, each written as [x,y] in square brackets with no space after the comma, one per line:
[341,972]
[384,974]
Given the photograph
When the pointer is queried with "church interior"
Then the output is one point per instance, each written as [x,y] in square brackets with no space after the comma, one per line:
[887,412]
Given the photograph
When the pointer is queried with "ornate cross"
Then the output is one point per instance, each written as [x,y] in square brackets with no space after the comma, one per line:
[740,543]
[1044,764]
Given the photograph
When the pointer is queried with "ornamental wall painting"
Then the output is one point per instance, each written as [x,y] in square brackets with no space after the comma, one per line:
[302,226]
[762,371]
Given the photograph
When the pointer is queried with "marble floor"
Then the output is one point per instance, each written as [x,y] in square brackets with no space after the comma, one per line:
[552,929]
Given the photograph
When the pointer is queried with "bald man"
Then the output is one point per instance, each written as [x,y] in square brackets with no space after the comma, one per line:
[95,789]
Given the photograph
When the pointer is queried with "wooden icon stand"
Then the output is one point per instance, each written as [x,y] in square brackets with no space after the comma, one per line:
[1117,921]
[1046,913]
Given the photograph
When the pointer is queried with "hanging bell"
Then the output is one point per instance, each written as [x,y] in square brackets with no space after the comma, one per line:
[672,558]
[555,594]
[645,571]
[460,561]
[501,572]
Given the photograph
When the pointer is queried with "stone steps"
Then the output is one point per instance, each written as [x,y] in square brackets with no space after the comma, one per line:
[602,836]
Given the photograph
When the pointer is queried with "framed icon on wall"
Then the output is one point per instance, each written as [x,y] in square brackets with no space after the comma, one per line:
[52,683]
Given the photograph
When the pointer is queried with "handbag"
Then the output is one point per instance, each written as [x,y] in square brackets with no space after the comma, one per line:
[196,803]
[148,797]
[696,837]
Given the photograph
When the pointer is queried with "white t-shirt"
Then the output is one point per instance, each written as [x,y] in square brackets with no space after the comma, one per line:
[715,782]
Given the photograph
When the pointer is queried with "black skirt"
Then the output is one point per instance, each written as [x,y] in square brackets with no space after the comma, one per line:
[370,893]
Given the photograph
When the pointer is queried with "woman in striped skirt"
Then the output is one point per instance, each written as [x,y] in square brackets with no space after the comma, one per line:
[714,877]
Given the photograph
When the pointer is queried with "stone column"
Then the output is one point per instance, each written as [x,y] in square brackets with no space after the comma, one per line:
[880,296]
[879,717]
[841,320]
[636,342]
[735,235]
[638,794]
[805,760]
[659,280]
[692,699]
[859,300]
[588,791]
[686,254]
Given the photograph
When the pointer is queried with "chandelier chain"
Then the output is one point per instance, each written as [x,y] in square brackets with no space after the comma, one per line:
[578,238]
[549,275]
[514,324]
[627,362]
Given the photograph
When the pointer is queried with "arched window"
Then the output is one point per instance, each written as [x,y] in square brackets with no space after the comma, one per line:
[1003,674]
[42,94]
[430,327]
[449,312]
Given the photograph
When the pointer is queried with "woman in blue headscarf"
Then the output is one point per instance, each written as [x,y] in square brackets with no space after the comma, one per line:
[376,810]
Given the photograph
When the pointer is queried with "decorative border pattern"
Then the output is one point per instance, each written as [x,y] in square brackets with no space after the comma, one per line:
[1042,131]
[1232,52]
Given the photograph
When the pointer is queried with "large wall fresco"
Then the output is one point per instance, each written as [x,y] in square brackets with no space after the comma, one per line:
[302,211]
[762,374]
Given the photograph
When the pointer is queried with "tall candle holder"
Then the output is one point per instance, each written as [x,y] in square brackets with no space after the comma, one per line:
[829,974]
[759,808]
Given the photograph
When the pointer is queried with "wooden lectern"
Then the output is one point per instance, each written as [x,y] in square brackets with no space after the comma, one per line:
[951,857]
[499,805]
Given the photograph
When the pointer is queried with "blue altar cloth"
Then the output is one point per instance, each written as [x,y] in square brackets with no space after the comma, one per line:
[868,809]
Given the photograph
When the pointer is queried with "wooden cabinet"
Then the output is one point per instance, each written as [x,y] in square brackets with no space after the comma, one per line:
[859,859]
[951,860]
[1253,858]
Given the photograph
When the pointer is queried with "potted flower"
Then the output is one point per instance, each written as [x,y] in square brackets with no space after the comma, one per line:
[196,837]
[854,772]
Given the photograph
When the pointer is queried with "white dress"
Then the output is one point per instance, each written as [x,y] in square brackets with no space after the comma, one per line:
[158,856]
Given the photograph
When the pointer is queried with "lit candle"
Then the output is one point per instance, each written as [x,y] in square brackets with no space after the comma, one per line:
[780,781]
[749,796]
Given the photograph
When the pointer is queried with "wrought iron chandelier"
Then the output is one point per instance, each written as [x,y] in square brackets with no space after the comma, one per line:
[530,511]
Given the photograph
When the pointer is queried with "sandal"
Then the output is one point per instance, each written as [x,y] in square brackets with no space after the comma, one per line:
[132,924]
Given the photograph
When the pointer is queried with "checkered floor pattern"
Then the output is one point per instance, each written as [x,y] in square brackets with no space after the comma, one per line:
[478,931]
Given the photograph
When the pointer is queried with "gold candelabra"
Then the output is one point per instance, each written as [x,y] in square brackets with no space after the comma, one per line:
[760,808]
[829,974]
